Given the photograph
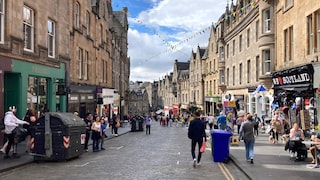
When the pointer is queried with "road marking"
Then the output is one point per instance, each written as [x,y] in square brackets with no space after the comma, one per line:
[85,164]
[225,171]
[178,162]
[117,148]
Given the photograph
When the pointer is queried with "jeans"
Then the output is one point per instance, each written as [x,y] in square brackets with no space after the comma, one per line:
[249,149]
[193,148]
[95,144]
[148,127]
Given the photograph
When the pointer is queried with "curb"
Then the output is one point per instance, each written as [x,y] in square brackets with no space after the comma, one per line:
[242,169]
[32,161]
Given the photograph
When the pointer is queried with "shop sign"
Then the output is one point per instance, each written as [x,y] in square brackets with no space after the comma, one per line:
[293,79]
[294,76]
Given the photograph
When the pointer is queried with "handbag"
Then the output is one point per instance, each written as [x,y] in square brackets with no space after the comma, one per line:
[203,147]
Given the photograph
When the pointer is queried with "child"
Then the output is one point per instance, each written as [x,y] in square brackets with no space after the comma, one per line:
[103,132]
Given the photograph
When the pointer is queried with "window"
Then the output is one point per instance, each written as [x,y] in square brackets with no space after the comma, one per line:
[233,47]
[101,34]
[85,65]
[267,20]
[28,28]
[248,71]
[87,23]
[233,75]
[80,63]
[2,10]
[288,42]
[227,51]
[77,15]
[221,53]
[310,34]
[267,62]
[257,30]
[51,39]
[214,64]
[228,76]
[318,29]
[221,73]
[240,43]
[214,86]
[257,68]
[248,38]
[240,73]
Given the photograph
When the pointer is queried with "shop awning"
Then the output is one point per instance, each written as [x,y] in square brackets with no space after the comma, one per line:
[294,87]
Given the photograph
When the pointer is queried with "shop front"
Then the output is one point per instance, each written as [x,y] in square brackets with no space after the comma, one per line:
[35,86]
[293,92]
[82,98]
[211,105]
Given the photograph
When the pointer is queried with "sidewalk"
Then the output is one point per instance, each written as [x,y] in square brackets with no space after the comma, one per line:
[7,164]
[271,161]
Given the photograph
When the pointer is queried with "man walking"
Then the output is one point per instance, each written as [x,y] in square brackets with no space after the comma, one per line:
[88,121]
[148,124]
[196,132]
[222,121]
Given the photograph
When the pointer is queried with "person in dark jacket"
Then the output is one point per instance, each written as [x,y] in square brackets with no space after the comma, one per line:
[88,121]
[196,132]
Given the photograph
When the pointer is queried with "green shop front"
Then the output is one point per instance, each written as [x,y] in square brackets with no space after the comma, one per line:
[35,86]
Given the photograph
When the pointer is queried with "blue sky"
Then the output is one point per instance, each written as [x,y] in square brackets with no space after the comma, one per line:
[161,31]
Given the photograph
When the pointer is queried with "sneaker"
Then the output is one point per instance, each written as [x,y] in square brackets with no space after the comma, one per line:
[199,164]
[251,161]
[2,151]
[194,162]
[103,148]
[6,156]
[86,150]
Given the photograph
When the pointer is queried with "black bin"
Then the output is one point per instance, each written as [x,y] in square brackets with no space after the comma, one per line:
[137,123]
[58,136]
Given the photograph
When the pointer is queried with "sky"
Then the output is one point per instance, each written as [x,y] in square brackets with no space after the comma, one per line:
[161,31]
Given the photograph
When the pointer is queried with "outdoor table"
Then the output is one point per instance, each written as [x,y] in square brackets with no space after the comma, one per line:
[316,165]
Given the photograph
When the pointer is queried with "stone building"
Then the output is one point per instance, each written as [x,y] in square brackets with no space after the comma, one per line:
[195,79]
[297,67]
[138,99]
[212,94]
[33,61]
[179,89]
[246,55]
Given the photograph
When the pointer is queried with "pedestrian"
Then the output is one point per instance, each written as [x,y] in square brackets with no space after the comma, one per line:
[239,122]
[247,133]
[103,133]
[31,119]
[276,127]
[96,134]
[88,121]
[148,124]
[197,134]
[257,120]
[222,121]
[11,122]
[116,124]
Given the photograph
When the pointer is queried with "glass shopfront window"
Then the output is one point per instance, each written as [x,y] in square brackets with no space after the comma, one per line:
[37,94]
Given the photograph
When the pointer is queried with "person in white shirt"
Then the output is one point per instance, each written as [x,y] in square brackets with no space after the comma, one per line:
[11,122]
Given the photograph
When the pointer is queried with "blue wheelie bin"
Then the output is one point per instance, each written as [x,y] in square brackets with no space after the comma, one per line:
[220,145]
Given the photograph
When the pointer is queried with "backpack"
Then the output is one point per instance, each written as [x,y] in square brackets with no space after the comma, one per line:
[2,126]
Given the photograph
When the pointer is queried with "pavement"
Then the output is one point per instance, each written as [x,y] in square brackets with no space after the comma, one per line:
[271,161]
[26,158]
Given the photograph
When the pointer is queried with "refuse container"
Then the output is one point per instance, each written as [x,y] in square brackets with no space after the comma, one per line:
[58,136]
[137,123]
[220,145]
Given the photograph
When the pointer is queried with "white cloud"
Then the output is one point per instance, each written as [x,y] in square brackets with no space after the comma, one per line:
[167,21]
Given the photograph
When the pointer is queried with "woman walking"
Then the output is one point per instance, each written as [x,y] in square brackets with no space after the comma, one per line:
[247,132]
[96,134]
